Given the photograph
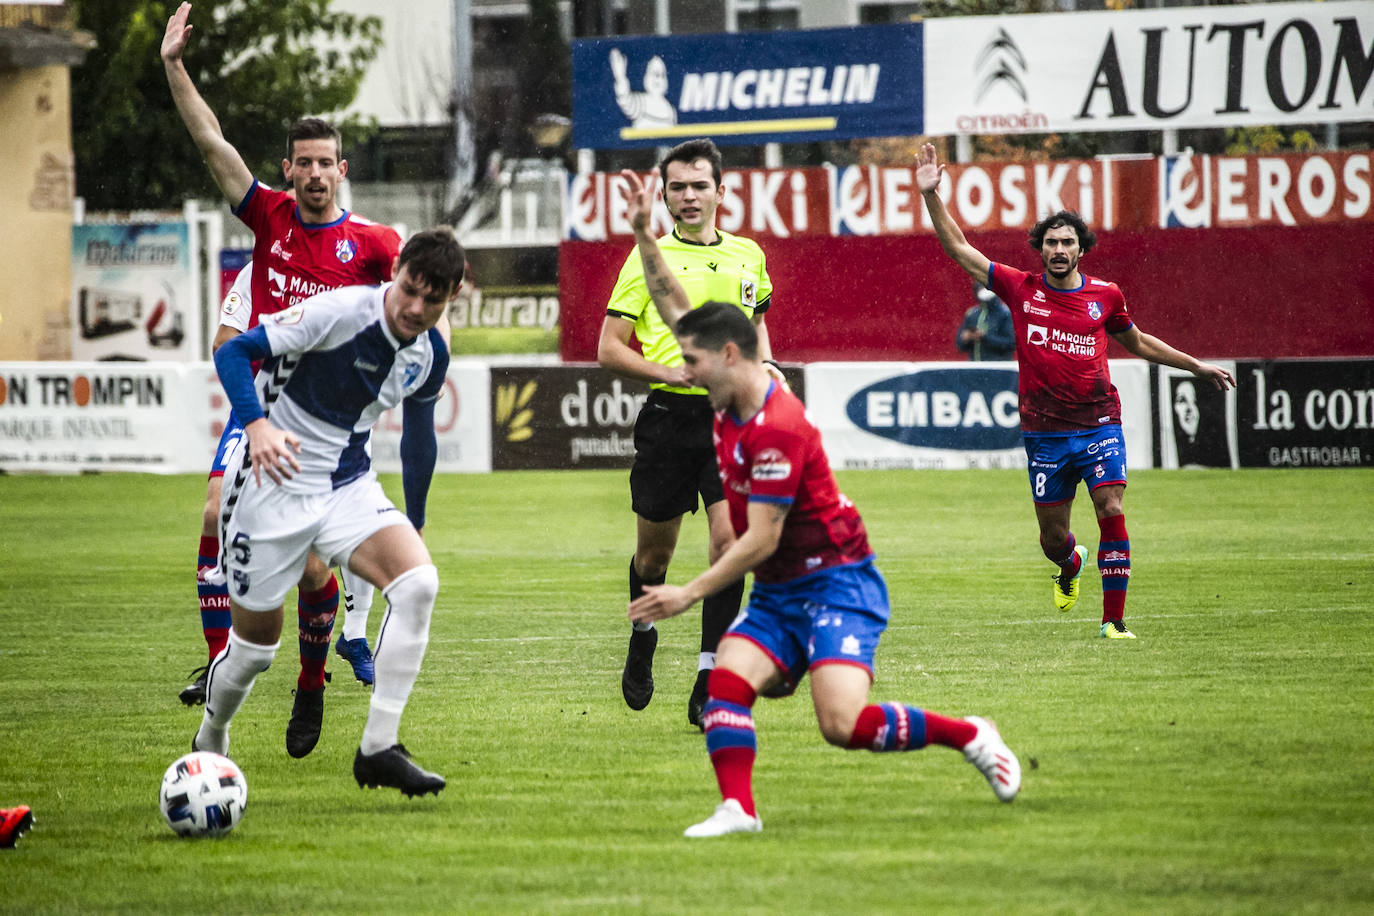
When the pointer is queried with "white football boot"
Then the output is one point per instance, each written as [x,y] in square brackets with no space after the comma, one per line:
[729,817]
[990,754]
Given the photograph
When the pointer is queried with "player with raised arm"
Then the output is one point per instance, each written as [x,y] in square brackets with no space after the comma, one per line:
[674,460]
[304,483]
[819,603]
[1070,411]
[304,243]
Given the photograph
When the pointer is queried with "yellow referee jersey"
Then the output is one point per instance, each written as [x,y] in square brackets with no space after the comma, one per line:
[730,270]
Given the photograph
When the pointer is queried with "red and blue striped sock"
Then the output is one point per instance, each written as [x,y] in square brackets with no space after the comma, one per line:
[730,740]
[214,599]
[1114,562]
[896,727]
[315,612]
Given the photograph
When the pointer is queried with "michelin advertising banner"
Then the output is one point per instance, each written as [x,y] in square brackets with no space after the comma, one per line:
[747,87]
[1190,67]
[133,294]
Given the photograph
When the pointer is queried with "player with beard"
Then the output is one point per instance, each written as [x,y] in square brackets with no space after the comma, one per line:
[304,243]
[1070,411]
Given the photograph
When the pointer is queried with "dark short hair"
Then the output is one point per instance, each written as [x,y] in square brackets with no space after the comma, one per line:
[690,151]
[714,324]
[312,129]
[1086,237]
[435,258]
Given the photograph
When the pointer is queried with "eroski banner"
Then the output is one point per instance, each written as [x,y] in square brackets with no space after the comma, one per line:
[1191,67]
[747,87]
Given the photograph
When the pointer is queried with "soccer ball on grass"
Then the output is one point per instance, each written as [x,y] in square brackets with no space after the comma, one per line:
[203,794]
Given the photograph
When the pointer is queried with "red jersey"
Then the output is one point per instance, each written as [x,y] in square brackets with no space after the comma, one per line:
[293,261]
[1061,348]
[775,456]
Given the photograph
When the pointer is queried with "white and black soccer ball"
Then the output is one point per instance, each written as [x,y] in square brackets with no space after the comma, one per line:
[203,794]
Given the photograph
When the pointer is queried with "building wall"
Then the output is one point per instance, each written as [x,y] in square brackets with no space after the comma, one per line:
[35,214]
[411,80]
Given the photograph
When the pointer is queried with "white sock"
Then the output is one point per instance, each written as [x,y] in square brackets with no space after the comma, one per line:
[644,627]
[401,648]
[227,685]
[358,593]
[706,661]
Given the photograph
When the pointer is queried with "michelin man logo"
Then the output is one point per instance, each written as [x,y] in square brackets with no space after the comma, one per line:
[650,107]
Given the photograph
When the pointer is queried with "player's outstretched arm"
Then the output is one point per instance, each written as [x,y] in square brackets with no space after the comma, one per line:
[928,172]
[756,544]
[226,165]
[667,293]
[1147,346]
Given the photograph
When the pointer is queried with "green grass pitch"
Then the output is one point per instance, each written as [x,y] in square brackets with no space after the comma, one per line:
[1222,763]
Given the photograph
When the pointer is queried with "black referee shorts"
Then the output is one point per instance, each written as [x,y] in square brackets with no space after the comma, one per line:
[675,459]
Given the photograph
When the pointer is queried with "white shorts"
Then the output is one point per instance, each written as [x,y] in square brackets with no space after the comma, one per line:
[272,532]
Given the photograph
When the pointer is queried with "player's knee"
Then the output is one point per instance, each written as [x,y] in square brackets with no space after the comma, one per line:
[316,575]
[415,588]
[209,514]
[837,726]
[209,519]
[719,545]
[652,563]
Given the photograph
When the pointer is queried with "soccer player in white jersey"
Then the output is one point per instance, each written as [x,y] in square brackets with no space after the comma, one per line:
[331,366]
[236,313]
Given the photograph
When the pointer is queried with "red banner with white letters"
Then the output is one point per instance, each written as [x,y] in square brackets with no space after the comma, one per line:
[1246,256]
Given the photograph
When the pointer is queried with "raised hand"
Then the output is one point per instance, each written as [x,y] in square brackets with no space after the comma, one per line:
[178,33]
[639,199]
[929,169]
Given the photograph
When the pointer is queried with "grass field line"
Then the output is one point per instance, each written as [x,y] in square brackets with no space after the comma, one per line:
[1032,621]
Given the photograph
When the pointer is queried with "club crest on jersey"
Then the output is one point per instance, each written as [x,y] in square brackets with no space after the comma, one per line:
[771,464]
[411,374]
[748,293]
[292,315]
[1094,310]
[345,250]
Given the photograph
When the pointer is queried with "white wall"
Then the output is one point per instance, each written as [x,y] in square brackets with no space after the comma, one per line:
[410,80]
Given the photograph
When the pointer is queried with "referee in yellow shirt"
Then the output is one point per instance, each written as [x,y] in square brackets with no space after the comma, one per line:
[675,460]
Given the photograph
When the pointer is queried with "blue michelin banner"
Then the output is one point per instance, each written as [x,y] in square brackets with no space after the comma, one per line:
[748,87]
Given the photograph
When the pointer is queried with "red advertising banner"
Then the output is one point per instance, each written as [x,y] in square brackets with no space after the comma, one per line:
[1137,192]
[1204,248]
[1263,292]
[1297,189]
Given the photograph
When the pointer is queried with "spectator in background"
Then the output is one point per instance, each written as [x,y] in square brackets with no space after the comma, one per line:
[986,332]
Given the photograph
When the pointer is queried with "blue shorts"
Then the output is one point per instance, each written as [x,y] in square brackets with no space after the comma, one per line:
[834,616]
[233,432]
[1057,461]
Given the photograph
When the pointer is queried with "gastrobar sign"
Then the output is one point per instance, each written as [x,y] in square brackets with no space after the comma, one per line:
[749,87]
[1194,67]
